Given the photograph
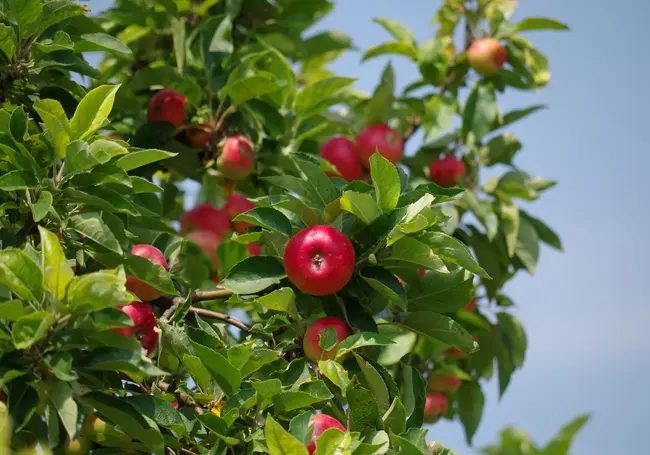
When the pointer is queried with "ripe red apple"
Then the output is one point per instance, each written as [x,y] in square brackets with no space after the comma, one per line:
[174,404]
[207,218]
[167,106]
[471,306]
[237,157]
[254,249]
[439,382]
[236,205]
[434,407]
[198,136]
[144,291]
[379,138]
[342,153]
[446,171]
[320,424]
[208,241]
[319,260]
[144,323]
[310,343]
[487,56]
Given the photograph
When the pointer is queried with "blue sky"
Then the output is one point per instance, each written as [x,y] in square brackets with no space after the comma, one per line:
[586,309]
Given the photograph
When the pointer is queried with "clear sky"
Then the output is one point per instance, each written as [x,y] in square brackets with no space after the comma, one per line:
[586,310]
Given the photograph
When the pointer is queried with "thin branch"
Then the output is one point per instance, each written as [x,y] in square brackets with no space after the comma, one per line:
[182,397]
[220,316]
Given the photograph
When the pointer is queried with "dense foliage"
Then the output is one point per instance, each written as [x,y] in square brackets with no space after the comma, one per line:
[314,274]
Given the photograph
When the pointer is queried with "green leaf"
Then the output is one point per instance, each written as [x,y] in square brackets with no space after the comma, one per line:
[131,421]
[481,111]
[150,273]
[79,157]
[280,441]
[101,42]
[93,111]
[510,222]
[318,95]
[372,237]
[409,251]
[31,328]
[471,402]
[527,250]
[282,299]
[137,158]
[518,114]
[391,48]
[333,441]
[380,105]
[500,149]
[11,310]
[539,23]
[248,88]
[62,399]
[254,274]
[361,205]
[385,283]
[386,181]
[159,410]
[375,384]
[561,442]
[42,206]
[18,123]
[395,418]
[7,41]
[23,12]
[56,122]
[362,410]
[20,274]
[58,272]
[198,371]
[439,114]
[434,58]
[61,42]
[322,188]
[18,180]
[400,32]
[92,226]
[335,372]
[513,337]
[413,392]
[439,327]
[221,41]
[56,11]
[97,290]
[308,394]
[453,250]
[442,292]
[268,218]
[360,340]
[545,233]
[223,372]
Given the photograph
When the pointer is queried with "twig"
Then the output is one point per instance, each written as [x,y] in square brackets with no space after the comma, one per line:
[220,316]
[182,396]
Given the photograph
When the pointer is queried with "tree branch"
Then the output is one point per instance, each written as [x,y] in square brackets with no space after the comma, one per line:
[182,396]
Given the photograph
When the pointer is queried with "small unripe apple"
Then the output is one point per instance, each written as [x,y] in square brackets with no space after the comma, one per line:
[198,136]
[379,138]
[319,260]
[208,241]
[237,157]
[310,343]
[167,106]
[95,425]
[236,205]
[144,324]
[446,171]
[79,446]
[471,306]
[439,382]
[320,424]
[207,218]
[435,406]
[487,56]
[144,291]
[342,153]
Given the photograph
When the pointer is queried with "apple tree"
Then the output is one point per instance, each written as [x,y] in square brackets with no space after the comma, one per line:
[325,292]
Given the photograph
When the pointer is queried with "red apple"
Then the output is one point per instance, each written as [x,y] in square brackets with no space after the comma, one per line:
[207,218]
[174,404]
[167,106]
[144,323]
[379,138]
[471,306]
[319,260]
[236,205]
[320,424]
[310,343]
[215,278]
[342,153]
[446,171]
[198,136]
[434,407]
[237,157]
[208,241]
[421,272]
[439,382]
[487,56]
[254,249]
[144,291]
